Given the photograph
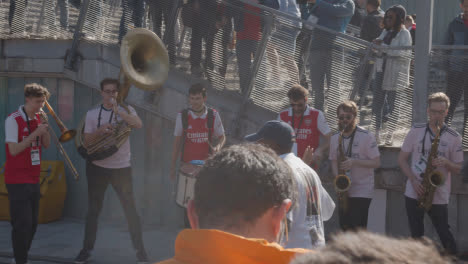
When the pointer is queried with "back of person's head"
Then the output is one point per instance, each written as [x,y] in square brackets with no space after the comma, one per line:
[297,92]
[366,247]
[197,88]
[238,185]
[374,3]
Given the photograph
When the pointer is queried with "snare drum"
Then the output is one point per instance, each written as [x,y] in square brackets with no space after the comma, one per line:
[186,183]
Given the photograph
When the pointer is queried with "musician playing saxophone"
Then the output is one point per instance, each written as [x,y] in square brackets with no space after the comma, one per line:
[362,157]
[448,159]
[114,170]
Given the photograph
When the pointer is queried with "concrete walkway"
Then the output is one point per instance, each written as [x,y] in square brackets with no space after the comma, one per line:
[63,239]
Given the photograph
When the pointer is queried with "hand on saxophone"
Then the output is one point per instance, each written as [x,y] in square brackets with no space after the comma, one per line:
[417,186]
[439,162]
[347,164]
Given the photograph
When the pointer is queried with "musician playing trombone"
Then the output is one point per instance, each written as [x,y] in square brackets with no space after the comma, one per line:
[449,158]
[114,170]
[25,135]
[361,157]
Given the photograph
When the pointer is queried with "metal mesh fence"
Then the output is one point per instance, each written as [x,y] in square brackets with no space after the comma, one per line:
[449,74]
[258,52]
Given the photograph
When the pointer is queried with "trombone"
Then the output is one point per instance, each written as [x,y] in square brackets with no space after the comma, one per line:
[66,135]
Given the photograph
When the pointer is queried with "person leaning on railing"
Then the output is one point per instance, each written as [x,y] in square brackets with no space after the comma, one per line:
[393,71]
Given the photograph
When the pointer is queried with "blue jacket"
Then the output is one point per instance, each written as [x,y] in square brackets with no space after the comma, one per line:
[334,14]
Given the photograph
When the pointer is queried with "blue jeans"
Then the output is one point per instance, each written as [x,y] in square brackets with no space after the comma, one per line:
[133,12]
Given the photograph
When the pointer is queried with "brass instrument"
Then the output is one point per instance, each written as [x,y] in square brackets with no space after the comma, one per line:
[342,182]
[144,64]
[65,136]
[431,177]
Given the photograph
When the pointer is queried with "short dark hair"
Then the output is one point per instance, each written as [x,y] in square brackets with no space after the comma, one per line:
[374,3]
[347,106]
[107,81]
[239,184]
[366,247]
[35,90]
[197,88]
[297,92]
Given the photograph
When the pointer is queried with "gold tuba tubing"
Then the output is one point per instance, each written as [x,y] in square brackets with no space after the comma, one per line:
[144,64]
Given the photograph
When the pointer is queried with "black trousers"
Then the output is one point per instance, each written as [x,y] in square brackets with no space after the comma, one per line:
[439,217]
[162,10]
[121,180]
[24,212]
[356,214]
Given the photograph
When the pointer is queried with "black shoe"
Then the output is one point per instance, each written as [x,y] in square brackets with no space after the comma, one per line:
[142,258]
[83,257]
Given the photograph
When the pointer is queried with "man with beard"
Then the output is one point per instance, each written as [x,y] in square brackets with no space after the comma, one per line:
[362,157]
[308,124]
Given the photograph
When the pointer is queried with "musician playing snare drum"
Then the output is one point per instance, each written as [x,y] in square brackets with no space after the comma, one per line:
[198,131]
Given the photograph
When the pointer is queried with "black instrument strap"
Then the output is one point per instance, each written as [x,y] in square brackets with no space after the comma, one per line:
[431,137]
[349,149]
[99,117]
[300,121]
[29,127]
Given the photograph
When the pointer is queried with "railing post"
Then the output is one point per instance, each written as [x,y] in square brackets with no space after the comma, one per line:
[71,54]
[422,58]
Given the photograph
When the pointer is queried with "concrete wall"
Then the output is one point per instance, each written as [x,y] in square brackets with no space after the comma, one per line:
[73,93]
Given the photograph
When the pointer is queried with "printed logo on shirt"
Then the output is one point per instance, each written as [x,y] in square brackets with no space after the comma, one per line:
[197,137]
[190,127]
[308,122]
[25,129]
[302,133]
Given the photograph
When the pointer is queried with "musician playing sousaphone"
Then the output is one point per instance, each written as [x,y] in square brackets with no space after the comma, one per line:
[435,149]
[198,133]
[361,157]
[114,170]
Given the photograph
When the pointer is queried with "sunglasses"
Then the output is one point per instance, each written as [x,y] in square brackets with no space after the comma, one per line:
[347,117]
[298,105]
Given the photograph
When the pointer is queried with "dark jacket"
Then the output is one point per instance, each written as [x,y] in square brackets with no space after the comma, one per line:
[457,34]
[371,29]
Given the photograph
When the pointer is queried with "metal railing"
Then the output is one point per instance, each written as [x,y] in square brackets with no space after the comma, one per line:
[241,46]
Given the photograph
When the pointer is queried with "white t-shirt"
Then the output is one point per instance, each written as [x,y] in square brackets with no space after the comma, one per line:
[11,127]
[120,159]
[218,129]
[314,205]
[450,147]
[364,148]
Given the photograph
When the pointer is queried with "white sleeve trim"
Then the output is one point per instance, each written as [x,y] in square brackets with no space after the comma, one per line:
[218,128]
[11,130]
[322,124]
[178,126]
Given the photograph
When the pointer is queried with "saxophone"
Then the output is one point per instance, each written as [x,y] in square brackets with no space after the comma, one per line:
[342,182]
[431,178]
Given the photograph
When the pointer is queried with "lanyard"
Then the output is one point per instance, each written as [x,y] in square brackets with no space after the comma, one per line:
[349,149]
[431,138]
[29,127]
[99,117]
[300,121]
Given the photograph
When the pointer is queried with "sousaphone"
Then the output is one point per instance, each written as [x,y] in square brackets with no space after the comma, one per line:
[145,65]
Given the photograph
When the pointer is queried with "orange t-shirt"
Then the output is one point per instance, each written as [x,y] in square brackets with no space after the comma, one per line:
[215,246]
